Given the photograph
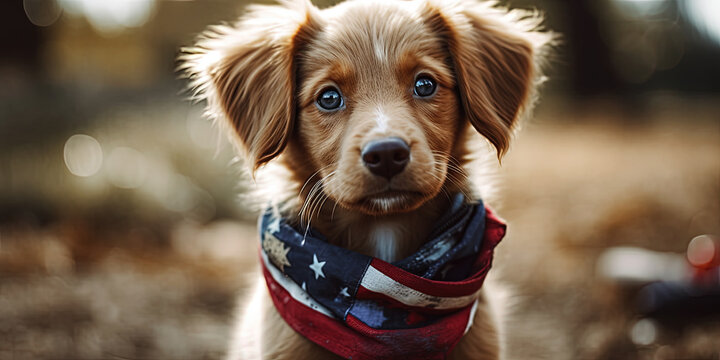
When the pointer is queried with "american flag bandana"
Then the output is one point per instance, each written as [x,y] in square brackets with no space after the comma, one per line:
[360,307]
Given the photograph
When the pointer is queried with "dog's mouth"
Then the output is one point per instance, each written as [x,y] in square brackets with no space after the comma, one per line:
[390,201]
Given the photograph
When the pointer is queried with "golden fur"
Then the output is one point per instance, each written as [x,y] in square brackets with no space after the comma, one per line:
[262,76]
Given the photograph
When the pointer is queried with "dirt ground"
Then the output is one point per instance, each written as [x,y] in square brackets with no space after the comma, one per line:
[108,288]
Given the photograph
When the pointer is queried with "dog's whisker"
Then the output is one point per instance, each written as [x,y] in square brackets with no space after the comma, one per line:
[328,180]
[308,214]
[303,214]
[451,178]
[459,183]
[316,199]
[312,204]
[311,177]
[305,184]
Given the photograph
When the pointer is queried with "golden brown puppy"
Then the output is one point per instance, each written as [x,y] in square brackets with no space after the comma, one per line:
[369,107]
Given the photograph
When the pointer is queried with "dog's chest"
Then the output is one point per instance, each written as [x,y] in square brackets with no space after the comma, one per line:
[384,239]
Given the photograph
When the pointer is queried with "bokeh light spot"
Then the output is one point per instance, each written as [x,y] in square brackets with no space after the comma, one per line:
[643,332]
[701,251]
[112,16]
[705,17]
[83,155]
[42,12]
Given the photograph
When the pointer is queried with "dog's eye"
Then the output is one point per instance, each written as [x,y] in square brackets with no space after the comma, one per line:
[424,86]
[330,99]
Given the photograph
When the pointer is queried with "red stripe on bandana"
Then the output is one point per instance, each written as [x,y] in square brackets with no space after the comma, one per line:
[355,340]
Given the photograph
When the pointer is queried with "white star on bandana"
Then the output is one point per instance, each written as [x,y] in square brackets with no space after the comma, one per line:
[317,267]
[276,251]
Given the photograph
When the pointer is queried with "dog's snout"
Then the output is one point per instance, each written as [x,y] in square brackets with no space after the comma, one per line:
[386,157]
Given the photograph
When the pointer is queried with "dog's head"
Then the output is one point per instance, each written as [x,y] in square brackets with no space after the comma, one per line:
[371,98]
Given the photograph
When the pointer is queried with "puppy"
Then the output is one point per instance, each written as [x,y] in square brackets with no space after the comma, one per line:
[375,244]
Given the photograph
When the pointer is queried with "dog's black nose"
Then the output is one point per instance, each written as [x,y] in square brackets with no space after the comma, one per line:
[386,157]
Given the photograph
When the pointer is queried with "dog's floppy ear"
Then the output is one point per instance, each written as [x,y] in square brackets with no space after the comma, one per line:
[495,54]
[246,72]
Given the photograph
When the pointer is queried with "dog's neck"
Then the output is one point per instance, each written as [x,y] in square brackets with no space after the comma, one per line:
[388,237]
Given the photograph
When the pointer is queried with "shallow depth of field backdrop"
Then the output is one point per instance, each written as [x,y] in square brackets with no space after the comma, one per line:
[123,232]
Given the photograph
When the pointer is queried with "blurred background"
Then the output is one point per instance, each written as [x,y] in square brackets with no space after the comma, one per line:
[124,233]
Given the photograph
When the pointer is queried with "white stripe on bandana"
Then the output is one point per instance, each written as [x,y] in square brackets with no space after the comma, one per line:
[378,282]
